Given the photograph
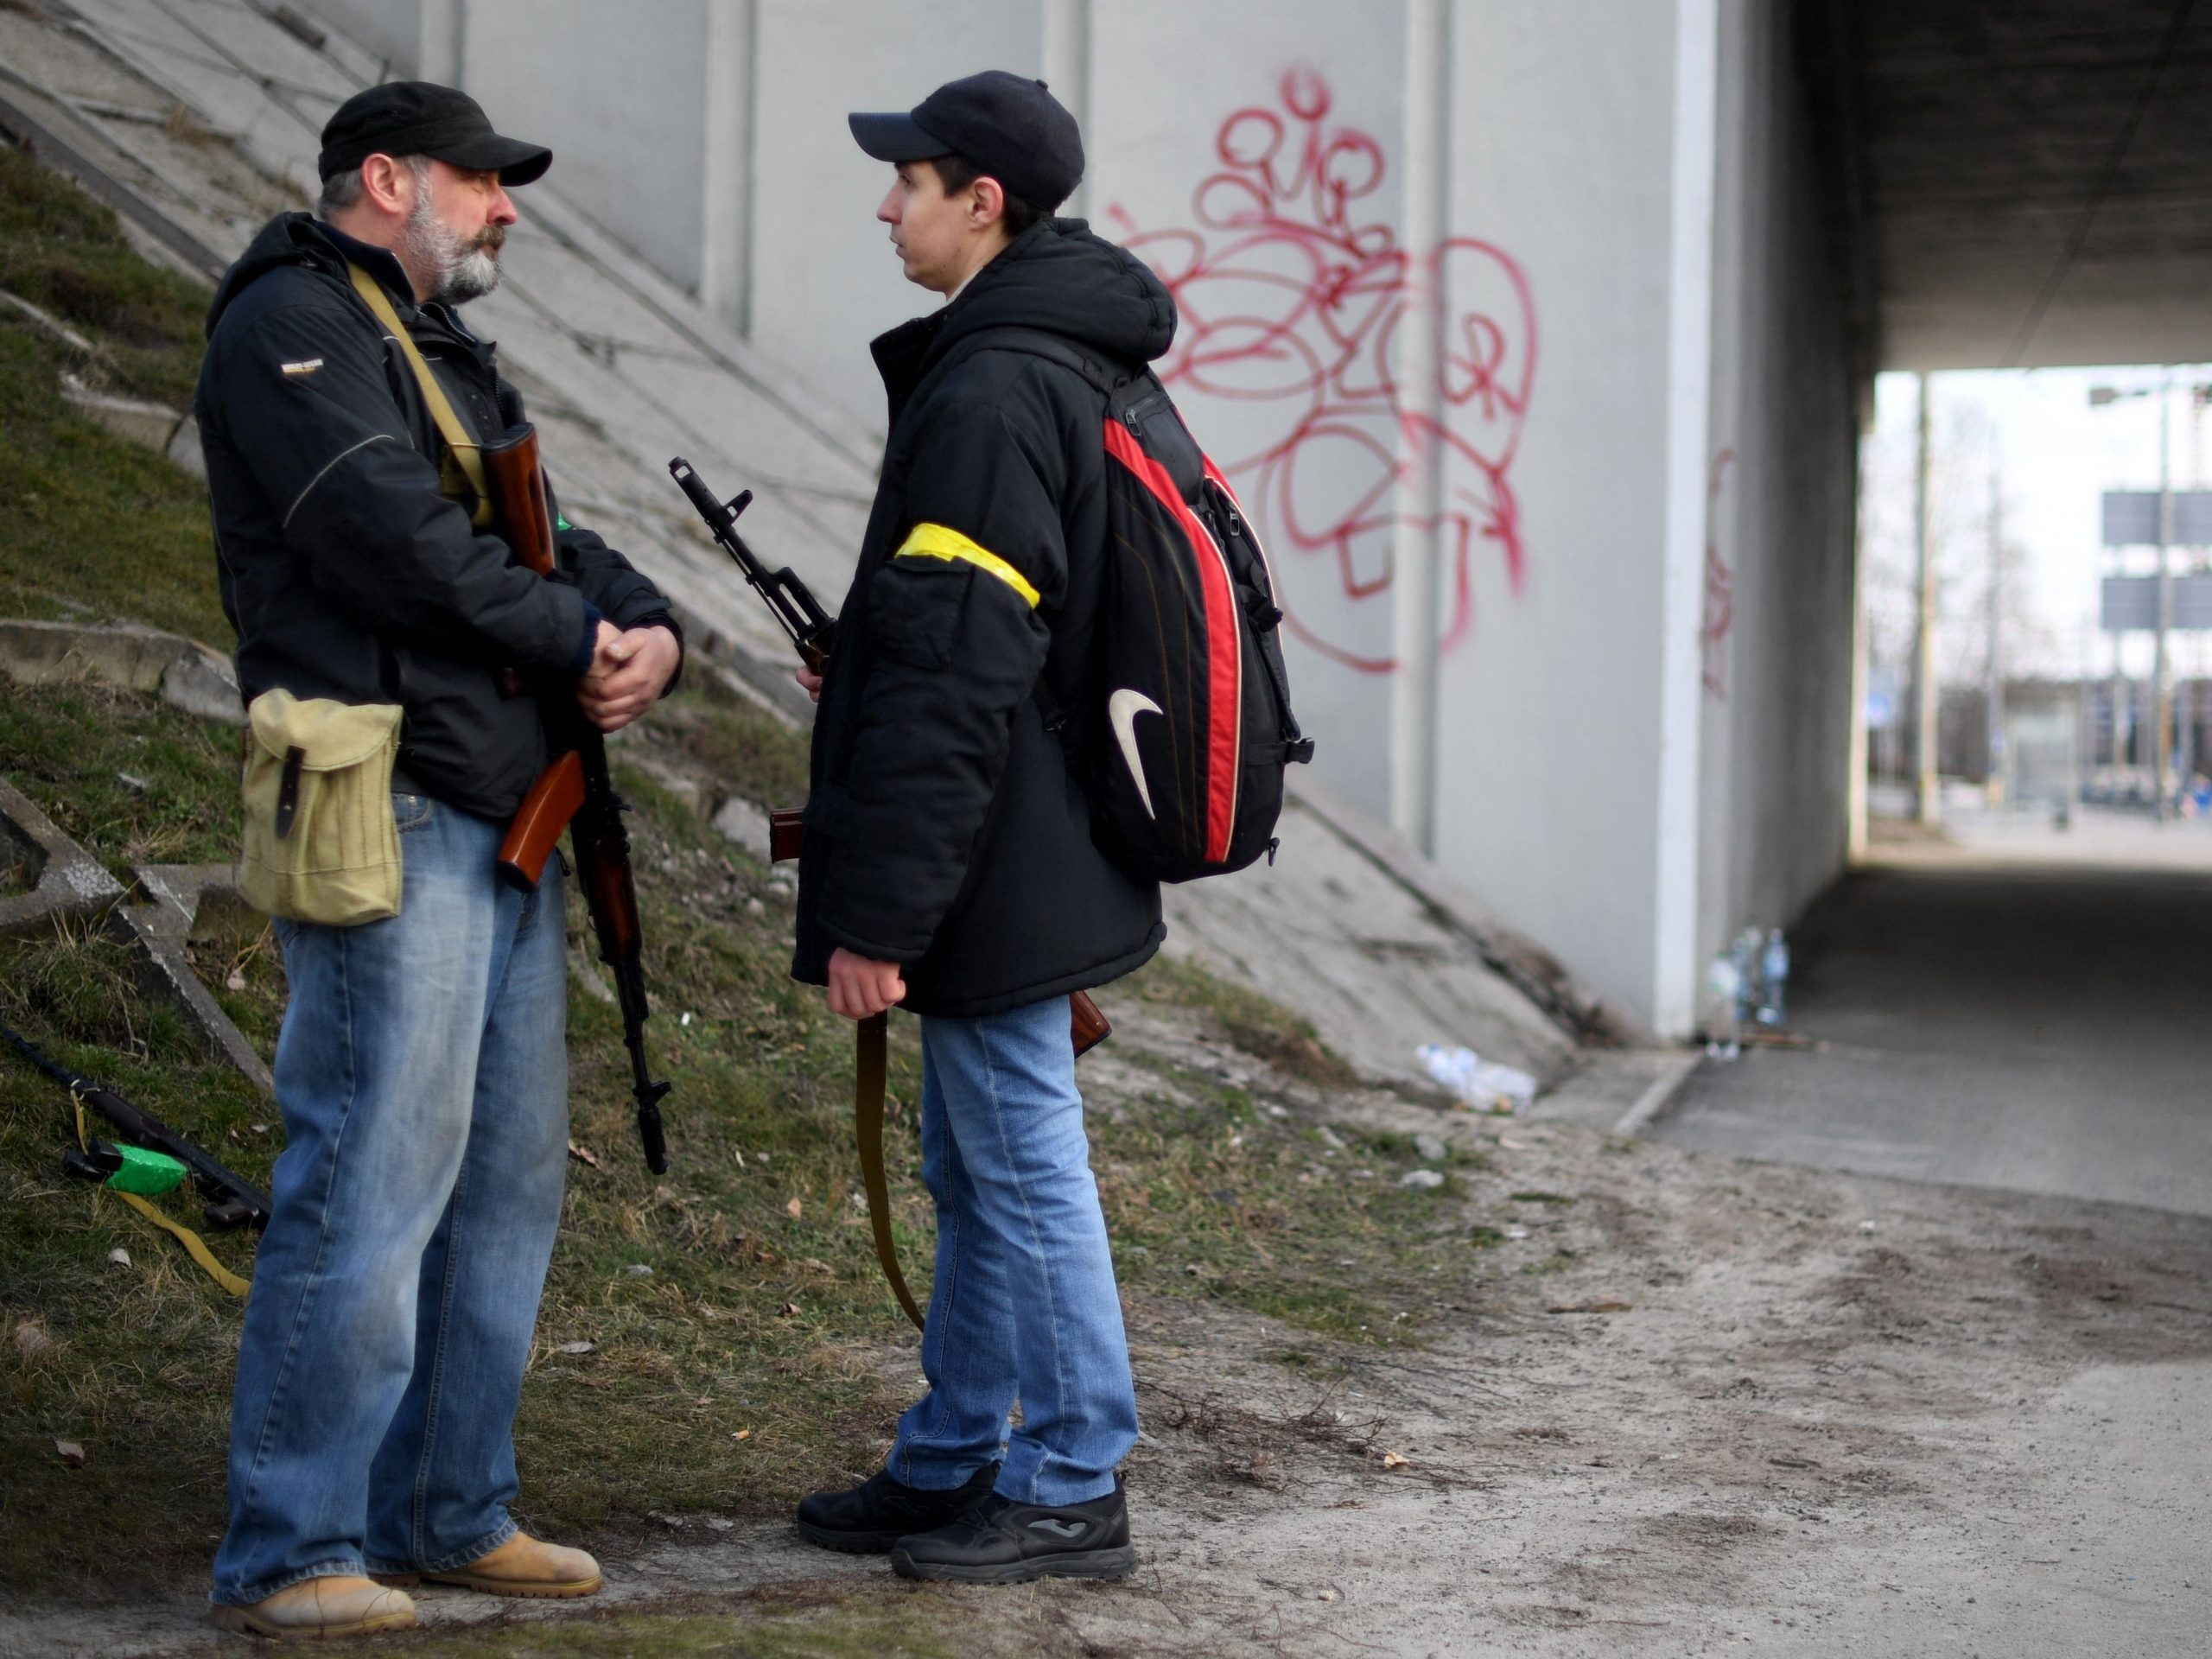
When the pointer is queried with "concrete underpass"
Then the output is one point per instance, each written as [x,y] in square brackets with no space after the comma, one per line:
[1888,1339]
[2026,185]
[2034,1025]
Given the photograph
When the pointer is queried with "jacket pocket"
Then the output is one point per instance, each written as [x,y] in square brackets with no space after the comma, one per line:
[321,840]
[914,612]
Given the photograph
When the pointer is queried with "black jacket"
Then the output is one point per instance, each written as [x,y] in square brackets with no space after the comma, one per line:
[946,831]
[345,571]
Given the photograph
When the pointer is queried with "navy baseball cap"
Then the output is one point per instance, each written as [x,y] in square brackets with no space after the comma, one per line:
[1009,125]
[418,117]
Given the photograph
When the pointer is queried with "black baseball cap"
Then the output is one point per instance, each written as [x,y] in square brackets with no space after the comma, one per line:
[418,117]
[1010,126]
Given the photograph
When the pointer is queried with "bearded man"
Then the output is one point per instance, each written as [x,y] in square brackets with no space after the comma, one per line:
[421,1069]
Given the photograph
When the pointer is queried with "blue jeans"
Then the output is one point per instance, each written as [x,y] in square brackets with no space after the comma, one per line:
[422,1075]
[1025,1305]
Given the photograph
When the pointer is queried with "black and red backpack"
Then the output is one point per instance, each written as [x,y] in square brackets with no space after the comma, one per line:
[1183,756]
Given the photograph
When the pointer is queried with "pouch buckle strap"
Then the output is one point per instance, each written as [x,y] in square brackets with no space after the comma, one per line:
[288,792]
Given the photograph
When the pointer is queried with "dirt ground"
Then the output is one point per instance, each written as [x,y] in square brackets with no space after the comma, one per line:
[1826,1414]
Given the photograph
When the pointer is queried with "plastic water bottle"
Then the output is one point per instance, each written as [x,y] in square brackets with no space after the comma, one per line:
[1727,983]
[1774,979]
[1744,955]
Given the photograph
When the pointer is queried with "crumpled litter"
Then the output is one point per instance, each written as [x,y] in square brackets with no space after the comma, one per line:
[1486,1086]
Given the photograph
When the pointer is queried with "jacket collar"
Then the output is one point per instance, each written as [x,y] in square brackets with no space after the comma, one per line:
[384,265]
[380,263]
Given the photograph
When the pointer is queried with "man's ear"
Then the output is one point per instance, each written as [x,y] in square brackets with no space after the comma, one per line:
[389,183]
[989,204]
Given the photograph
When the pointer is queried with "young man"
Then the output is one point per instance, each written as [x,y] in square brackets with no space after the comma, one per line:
[948,866]
[421,1069]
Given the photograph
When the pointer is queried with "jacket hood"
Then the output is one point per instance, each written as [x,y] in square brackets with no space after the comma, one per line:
[1060,277]
[301,239]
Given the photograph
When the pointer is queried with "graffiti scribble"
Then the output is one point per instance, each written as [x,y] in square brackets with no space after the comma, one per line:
[1719,585]
[1287,297]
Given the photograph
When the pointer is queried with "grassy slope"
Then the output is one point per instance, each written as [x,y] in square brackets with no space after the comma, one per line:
[749,1360]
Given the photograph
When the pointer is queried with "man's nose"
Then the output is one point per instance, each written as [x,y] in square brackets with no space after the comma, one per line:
[502,210]
[887,209]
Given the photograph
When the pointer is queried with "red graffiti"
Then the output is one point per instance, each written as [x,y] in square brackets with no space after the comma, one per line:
[1287,298]
[1719,585]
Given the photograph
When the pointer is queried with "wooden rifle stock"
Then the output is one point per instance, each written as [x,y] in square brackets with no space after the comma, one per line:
[576,792]
[553,800]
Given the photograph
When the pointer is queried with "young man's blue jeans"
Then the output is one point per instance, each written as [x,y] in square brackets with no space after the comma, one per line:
[1024,1305]
[422,1075]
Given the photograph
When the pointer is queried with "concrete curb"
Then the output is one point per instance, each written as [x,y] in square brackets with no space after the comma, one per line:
[70,882]
[163,929]
[1654,1100]
[187,675]
[73,886]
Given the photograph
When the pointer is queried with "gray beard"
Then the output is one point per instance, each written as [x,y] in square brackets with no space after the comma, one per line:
[462,269]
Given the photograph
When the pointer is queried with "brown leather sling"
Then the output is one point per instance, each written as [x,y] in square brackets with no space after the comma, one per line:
[1087,1025]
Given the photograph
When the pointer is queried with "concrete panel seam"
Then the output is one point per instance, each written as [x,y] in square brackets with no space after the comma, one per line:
[1689,354]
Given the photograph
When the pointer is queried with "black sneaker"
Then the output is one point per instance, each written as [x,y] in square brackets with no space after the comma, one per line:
[880,1511]
[1001,1541]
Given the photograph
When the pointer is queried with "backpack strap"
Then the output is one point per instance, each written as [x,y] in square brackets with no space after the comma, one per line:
[1106,379]
[1103,376]
[464,450]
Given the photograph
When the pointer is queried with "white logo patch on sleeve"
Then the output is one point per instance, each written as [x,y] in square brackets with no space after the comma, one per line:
[307,367]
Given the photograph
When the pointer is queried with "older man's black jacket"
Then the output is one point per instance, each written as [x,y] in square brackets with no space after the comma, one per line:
[345,571]
[946,831]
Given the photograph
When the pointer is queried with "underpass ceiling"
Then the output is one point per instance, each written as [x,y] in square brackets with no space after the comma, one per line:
[2035,180]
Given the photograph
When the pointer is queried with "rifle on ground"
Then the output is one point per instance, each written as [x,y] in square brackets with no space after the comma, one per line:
[812,631]
[227,1200]
[576,792]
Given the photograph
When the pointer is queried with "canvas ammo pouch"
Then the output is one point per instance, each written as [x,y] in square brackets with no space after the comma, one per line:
[321,843]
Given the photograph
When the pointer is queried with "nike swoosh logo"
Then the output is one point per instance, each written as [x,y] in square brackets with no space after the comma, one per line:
[1121,711]
[1056,1528]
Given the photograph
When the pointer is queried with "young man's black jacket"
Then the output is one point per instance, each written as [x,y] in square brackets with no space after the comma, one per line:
[945,830]
[345,571]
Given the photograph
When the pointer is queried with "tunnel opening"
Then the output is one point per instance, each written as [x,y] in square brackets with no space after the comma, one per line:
[1998,990]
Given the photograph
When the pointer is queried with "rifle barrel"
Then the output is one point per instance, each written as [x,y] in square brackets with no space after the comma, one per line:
[228,1199]
[795,606]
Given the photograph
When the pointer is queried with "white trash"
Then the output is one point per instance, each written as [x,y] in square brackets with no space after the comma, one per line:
[1486,1086]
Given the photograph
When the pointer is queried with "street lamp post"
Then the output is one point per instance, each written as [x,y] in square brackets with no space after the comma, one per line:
[2162,683]
[2160,747]
[1926,699]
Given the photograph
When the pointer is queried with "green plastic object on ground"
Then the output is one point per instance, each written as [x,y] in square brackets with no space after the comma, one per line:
[147,1173]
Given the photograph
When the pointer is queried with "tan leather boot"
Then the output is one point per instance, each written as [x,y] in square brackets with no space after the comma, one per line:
[524,1566]
[321,1608]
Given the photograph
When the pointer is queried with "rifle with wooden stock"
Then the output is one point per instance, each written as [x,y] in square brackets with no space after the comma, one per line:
[812,631]
[576,792]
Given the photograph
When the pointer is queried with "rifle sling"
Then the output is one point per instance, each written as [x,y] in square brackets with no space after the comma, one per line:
[466,452]
[194,1246]
[868,1054]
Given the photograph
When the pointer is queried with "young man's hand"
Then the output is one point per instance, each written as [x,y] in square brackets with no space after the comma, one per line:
[811,683]
[629,668]
[860,987]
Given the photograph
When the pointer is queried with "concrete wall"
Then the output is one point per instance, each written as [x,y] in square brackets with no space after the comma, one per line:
[1777,629]
[1472,296]
[392,30]
[1549,703]
[1255,182]
[824,279]
[637,159]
